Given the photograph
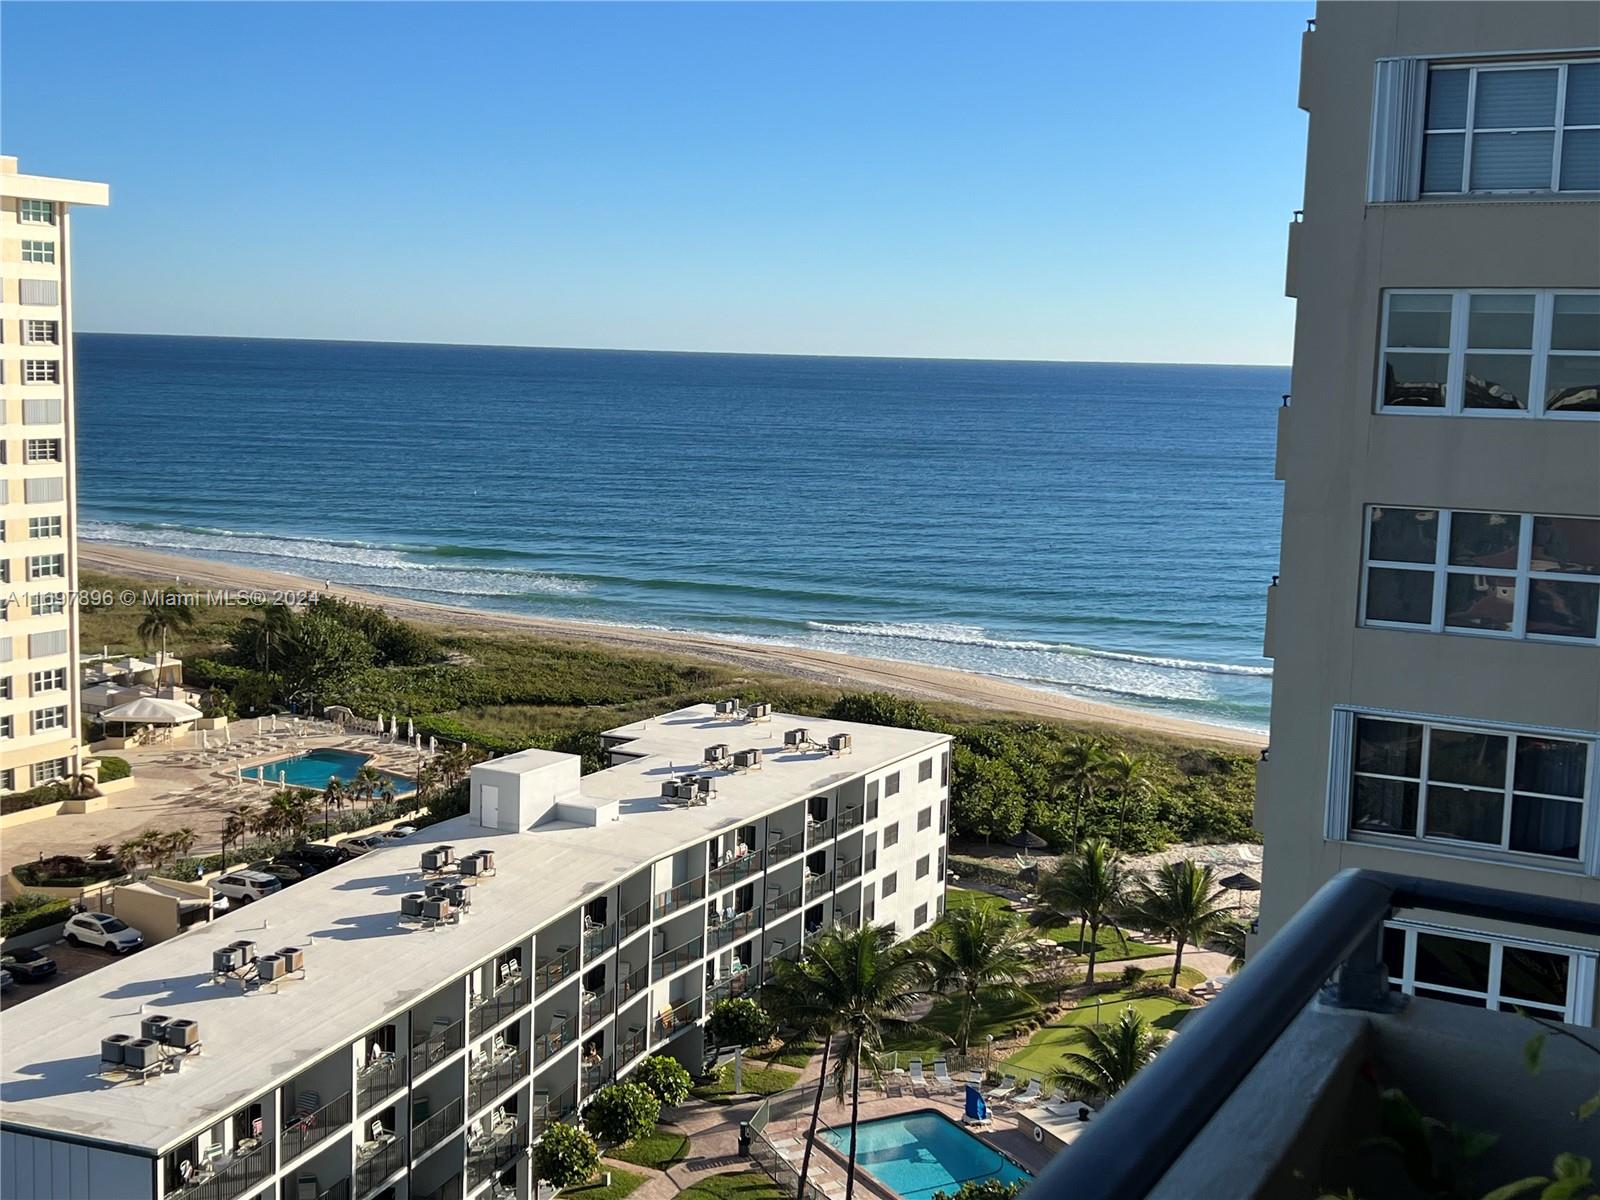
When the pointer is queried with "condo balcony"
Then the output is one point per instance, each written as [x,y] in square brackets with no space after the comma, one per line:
[305,1126]
[379,1078]
[1311,1056]
[677,959]
[730,927]
[433,1129]
[555,968]
[818,885]
[490,1151]
[785,848]
[489,1010]
[235,1176]
[597,939]
[849,819]
[563,1029]
[675,898]
[491,1074]
[597,1006]
[376,1162]
[432,1047]
[677,1018]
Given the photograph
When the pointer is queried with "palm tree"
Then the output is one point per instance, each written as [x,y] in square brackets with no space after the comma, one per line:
[1111,1057]
[1088,885]
[1076,774]
[978,955]
[798,997]
[365,785]
[234,826]
[291,810]
[162,620]
[180,842]
[1230,939]
[1125,778]
[272,630]
[1181,901]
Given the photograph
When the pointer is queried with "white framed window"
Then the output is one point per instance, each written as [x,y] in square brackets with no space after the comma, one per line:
[5,687]
[891,835]
[46,719]
[888,886]
[46,489]
[1512,127]
[36,212]
[41,333]
[47,681]
[44,527]
[49,771]
[924,865]
[36,450]
[1515,575]
[1488,353]
[46,566]
[37,251]
[41,370]
[1498,973]
[891,784]
[38,291]
[44,604]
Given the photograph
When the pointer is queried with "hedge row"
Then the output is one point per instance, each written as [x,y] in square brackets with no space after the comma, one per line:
[25,918]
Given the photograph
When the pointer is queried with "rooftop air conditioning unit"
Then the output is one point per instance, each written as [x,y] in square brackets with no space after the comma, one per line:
[246,948]
[706,786]
[471,864]
[153,1027]
[270,967]
[749,760]
[111,1047]
[716,754]
[293,957]
[436,888]
[839,743]
[141,1053]
[436,910]
[796,737]
[182,1034]
[411,906]
[485,861]
[459,895]
[725,707]
[435,859]
[758,712]
[669,789]
[226,959]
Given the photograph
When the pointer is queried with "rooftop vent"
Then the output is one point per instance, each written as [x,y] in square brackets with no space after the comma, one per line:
[839,743]
[727,708]
[758,712]
[271,968]
[797,739]
[716,755]
[153,1027]
[142,1053]
[111,1048]
[747,760]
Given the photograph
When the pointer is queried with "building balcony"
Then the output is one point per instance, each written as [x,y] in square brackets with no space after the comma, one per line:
[675,960]
[784,904]
[597,1007]
[818,886]
[1303,1056]
[730,873]
[435,1046]
[334,1191]
[597,939]
[633,921]
[631,1045]
[785,849]
[491,1076]
[850,818]
[563,1105]
[304,1130]
[596,1074]
[561,1034]
[497,1006]
[453,1188]
[738,983]
[671,900]
[555,968]
[633,984]
[733,928]
[496,1150]
[233,1177]
[379,1079]
[377,1164]
[817,831]
[440,1125]
[847,871]
[676,1019]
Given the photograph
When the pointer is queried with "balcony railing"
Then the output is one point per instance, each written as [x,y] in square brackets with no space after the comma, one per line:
[791,952]
[676,1019]
[675,960]
[378,1166]
[846,871]
[631,1045]
[817,831]
[818,885]
[729,873]
[1334,945]
[633,920]
[334,1191]
[785,848]
[555,968]
[784,904]
[499,1005]
[598,1007]
[451,1189]
[488,1079]
[495,1153]
[635,983]
[597,940]
[435,1129]
[731,930]
[675,898]
[435,1048]
[849,819]
[236,1176]
[379,1080]
[565,1103]
[736,984]
[557,1038]
[596,1075]
[305,1130]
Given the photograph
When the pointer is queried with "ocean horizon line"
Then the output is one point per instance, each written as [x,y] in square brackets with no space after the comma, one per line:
[777,354]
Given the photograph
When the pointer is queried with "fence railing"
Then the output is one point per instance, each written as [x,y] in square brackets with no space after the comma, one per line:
[493,1078]
[435,1129]
[634,983]
[675,898]
[675,960]
[499,1005]
[677,1018]
[495,1154]
[234,1178]
[819,885]
[555,968]
[379,1080]
[597,1008]
[772,1164]
[731,872]
[784,904]
[849,819]
[742,923]
[785,848]
[373,1170]
[846,871]
[598,940]
[633,920]
[304,1130]
[435,1048]
[555,1039]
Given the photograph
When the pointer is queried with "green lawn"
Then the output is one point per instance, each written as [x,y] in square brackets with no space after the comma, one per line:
[758,1080]
[747,1185]
[1112,948]
[1050,1045]
[623,1183]
[934,1036]
[659,1150]
[797,1055]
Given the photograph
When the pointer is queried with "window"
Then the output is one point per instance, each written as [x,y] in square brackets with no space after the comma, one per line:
[924,819]
[8,727]
[1496,574]
[44,527]
[1531,127]
[46,719]
[43,645]
[924,865]
[941,862]
[872,800]
[41,333]
[49,771]
[44,604]
[41,411]
[1488,972]
[38,291]
[46,566]
[1499,353]
[1466,787]
[38,252]
[891,835]
[891,784]
[47,681]
[49,489]
[944,769]
[889,885]
[925,770]
[921,916]
[36,212]
[41,450]
[41,370]
[5,687]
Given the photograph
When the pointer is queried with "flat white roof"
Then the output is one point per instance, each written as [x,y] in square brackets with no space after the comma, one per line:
[361,965]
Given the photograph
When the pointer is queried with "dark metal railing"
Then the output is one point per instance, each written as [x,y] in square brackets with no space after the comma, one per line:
[675,898]
[742,923]
[785,848]
[677,1018]
[499,1005]
[304,1130]
[818,831]
[370,1172]
[740,868]
[495,1154]
[635,983]
[435,1129]
[337,1191]
[733,985]
[633,920]
[451,1189]
[849,819]
[818,885]
[675,960]
[234,1178]
[557,1038]
[484,1084]
[554,969]
[631,1046]
[846,871]
[786,903]
[596,1075]
[598,940]
[435,1048]
[379,1080]
[1337,935]
[597,1008]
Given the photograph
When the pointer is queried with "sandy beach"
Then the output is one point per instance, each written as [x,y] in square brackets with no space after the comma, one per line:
[845,671]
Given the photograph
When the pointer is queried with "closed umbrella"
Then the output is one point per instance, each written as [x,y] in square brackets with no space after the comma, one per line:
[1028,840]
[410,729]
[432,744]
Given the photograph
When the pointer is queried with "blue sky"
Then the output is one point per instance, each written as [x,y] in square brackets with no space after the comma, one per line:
[1063,181]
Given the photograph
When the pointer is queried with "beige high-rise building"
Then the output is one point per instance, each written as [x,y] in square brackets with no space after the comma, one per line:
[1436,707]
[39,712]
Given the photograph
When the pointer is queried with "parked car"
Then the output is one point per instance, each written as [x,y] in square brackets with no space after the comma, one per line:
[29,965]
[5,980]
[360,845]
[399,831]
[103,930]
[245,886]
[284,873]
[315,852]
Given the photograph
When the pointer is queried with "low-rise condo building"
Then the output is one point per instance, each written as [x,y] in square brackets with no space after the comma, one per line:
[40,731]
[405,1025]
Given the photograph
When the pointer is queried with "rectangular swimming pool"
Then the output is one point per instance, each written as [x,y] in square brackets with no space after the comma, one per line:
[314,768]
[918,1154]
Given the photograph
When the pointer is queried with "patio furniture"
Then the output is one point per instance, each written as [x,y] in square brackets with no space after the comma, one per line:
[941,1074]
[1027,1097]
[1007,1086]
[306,1105]
[914,1070]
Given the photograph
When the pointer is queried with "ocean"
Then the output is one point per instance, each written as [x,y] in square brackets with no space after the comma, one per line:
[1106,530]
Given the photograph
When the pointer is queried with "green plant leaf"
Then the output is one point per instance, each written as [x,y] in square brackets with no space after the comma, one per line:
[1589,1107]
[1573,1167]
[1520,1187]
[1471,1142]
[1533,1052]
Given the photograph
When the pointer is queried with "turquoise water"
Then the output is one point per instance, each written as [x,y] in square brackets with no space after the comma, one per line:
[922,1153]
[314,768]
[1107,530]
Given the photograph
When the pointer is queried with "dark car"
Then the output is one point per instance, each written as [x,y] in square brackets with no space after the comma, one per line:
[29,965]
[285,873]
[317,854]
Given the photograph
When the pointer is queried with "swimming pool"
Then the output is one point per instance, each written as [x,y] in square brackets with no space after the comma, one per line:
[918,1154]
[314,768]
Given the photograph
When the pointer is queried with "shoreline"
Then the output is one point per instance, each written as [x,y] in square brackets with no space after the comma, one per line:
[817,666]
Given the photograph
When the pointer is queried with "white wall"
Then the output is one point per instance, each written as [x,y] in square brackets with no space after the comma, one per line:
[36,1168]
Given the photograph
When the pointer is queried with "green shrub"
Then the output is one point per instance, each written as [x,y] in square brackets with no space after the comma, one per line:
[985,1189]
[112,768]
[739,1021]
[621,1112]
[45,793]
[566,1156]
[666,1077]
[1133,976]
[66,871]
[31,911]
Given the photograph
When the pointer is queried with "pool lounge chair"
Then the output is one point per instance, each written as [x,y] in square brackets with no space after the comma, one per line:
[1028,1097]
[941,1074]
[1007,1086]
[914,1070]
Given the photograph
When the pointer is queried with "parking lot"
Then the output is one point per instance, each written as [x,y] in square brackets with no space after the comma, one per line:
[71,962]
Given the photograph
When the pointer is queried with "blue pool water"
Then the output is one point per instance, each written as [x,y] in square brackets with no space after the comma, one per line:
[922,1153]
[314,768]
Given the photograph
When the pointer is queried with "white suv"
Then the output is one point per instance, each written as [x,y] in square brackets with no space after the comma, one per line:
[245,886]
[98,929]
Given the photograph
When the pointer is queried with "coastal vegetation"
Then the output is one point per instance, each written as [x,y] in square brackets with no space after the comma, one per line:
[503,691]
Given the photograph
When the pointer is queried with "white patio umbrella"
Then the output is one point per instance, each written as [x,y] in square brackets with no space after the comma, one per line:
[152,710]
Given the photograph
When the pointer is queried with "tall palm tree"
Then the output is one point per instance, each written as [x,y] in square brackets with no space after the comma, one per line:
[291,810]
[798,997]
[235,825]
[1182,900]
[1089,885]
[271,630]
[1111,1056]
[162,620]
[1230,939]
[978,955]
[1125,778]
[1076,774]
